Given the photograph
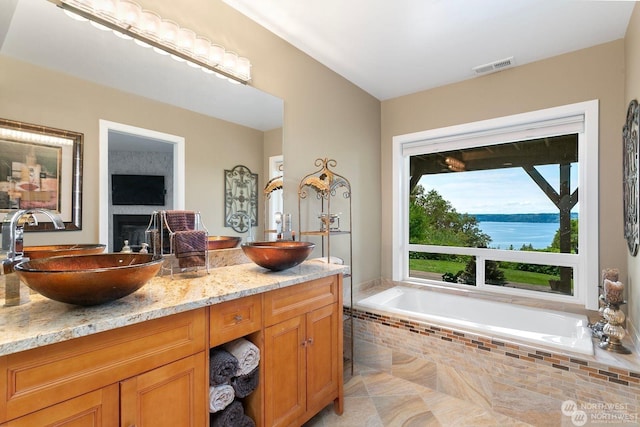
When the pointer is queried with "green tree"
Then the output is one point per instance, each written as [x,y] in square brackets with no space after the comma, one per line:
[555,244]
[433,221]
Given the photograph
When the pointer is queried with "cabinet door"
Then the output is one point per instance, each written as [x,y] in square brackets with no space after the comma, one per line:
[95,409]
[169,396]
[322,357]
[284,368]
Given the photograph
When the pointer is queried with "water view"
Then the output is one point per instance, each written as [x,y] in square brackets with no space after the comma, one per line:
[505,234]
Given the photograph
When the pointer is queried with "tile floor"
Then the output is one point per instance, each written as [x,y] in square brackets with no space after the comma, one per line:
[402,398]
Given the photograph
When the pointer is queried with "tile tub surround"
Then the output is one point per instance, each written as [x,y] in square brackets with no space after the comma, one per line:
[526,383]
[43,321]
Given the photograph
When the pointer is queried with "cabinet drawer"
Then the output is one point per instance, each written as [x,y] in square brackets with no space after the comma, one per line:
[38,378]
[291,301]
[235,319]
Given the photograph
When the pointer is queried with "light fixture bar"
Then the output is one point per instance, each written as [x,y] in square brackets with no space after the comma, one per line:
[37,138]
[130,31]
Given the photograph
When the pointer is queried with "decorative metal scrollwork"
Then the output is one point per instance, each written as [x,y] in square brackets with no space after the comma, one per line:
[324,181]
[630,177]
[241,198]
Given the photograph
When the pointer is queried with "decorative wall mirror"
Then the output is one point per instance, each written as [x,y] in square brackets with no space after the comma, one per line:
[241,199]
[630,176]
[41,168]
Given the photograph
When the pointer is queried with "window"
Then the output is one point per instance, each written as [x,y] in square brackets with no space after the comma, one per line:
[506,205]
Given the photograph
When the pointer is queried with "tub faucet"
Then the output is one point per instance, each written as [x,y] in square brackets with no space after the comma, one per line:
[13,232]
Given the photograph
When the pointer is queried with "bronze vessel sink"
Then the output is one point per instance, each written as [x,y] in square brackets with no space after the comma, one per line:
[89,279]
[222,242]
[47,251]
[278,255]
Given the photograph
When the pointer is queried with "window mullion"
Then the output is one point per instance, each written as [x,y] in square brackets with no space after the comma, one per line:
[480,270]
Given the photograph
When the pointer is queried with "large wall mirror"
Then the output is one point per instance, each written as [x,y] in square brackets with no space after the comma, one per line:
[39,33]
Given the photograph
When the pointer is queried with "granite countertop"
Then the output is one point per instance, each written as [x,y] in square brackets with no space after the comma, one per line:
[43,321]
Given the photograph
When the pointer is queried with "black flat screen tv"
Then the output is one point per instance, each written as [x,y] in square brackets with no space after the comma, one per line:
[138,190]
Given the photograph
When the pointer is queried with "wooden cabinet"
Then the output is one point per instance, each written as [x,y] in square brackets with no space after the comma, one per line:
[303,351]
[156,373]
[172,395]
[96,408]
[72,380]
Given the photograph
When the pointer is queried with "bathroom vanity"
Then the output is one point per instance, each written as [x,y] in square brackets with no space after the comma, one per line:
[144,360]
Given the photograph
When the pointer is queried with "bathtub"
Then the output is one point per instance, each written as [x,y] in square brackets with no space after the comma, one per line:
[535,326]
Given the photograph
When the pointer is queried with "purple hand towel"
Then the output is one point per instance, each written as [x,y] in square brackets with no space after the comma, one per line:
[190,248]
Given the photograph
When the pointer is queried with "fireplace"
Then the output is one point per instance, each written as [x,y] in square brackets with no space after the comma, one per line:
[131,228]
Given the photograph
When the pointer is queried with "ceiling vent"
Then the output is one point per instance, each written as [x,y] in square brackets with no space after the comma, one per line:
[494,66]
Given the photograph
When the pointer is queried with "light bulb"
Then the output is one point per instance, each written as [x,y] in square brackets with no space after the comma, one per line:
[128,13]
[243,68]
[104,9]
[149,26]
[217,55]
[201,51]
[184,42]
[167,34]
[230,61]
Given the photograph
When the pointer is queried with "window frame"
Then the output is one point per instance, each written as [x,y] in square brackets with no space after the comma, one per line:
[580,118]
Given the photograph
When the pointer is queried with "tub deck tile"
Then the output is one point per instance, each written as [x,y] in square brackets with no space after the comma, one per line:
[464,369]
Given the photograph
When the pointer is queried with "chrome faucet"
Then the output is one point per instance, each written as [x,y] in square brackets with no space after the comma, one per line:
[13,232]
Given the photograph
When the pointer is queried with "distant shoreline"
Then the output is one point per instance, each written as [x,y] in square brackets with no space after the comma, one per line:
[530,217]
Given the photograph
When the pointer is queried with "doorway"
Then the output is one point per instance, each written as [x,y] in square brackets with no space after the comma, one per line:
[138,139]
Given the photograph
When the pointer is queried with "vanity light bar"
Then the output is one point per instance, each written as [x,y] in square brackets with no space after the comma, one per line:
[18,135]
[227,64]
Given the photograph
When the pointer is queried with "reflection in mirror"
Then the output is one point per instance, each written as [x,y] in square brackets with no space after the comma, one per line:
[82,52]
[41,168]
[273,197]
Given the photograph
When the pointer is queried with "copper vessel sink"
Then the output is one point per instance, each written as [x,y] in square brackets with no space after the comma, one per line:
[222,242]
[89,279]
[47,251]
[278,255]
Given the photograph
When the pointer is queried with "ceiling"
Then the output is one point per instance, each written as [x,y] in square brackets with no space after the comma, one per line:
[38,32]
[391,48]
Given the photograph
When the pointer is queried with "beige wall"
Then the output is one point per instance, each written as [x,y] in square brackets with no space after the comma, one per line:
[594,73]
[325,116]
[35,95]
[632,91]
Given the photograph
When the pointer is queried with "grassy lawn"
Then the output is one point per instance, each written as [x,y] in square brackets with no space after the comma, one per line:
[513,276]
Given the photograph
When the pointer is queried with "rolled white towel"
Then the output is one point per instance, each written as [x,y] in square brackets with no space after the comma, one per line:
[246,352]
[220,397]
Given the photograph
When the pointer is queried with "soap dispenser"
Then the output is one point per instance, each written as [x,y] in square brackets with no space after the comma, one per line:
[126,249]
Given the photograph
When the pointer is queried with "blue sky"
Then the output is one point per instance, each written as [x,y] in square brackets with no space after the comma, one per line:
[505,191]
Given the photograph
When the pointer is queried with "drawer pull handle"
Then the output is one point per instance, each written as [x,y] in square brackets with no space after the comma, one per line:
[237,318]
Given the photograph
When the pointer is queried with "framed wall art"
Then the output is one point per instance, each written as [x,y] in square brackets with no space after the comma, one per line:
[241,199]
[41,168]
[630,177]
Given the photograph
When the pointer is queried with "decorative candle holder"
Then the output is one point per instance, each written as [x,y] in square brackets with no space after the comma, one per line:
[329,221]
[597,327]
[613,329]
[608,283]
